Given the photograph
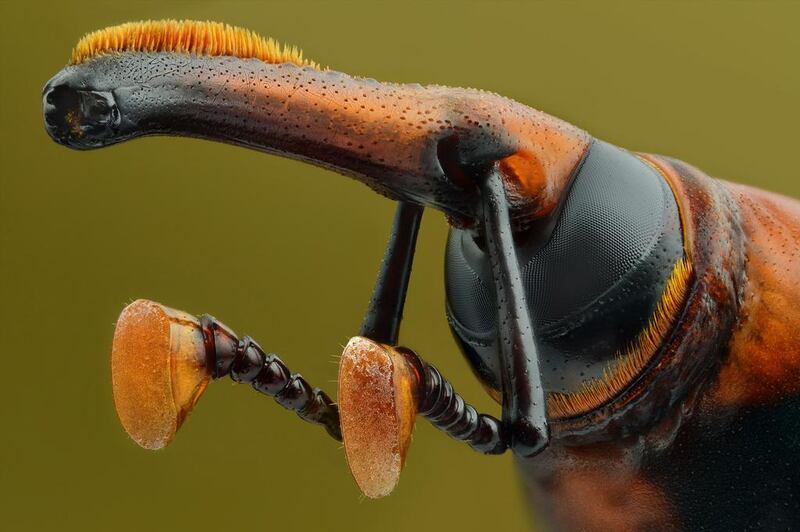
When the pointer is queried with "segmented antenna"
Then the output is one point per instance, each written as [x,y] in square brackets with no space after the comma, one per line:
[440,404]
[245,361]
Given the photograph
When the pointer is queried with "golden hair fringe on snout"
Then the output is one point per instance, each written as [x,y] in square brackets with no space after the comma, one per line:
[627,365]
[185,36]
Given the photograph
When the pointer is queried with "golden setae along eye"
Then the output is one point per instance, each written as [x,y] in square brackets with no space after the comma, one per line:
[628,363]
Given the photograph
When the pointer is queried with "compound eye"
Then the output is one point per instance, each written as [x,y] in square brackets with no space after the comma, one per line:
[158,371]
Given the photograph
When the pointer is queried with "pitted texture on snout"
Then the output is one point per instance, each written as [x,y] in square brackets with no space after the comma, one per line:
[386,135]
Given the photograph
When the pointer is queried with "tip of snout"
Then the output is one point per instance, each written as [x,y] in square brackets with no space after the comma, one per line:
[77,118]
[59,106]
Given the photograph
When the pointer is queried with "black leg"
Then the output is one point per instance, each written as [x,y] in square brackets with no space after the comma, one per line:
[524,409]
[382,321]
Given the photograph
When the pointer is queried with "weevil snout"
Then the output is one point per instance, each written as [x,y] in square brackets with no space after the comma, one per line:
[407,142]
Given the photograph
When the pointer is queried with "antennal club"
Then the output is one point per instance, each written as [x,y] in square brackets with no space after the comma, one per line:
[382,389]
[162,360]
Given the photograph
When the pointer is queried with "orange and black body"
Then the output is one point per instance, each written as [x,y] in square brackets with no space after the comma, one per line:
[717,447]
[636,319]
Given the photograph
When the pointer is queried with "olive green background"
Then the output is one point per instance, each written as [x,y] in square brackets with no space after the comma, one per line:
[295,248]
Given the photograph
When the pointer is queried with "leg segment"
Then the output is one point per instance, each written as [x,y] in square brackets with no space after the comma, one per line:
[524,408]
[382,321]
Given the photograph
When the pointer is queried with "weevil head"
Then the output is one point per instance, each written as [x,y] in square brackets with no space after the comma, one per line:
[599,231]
[218,82]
